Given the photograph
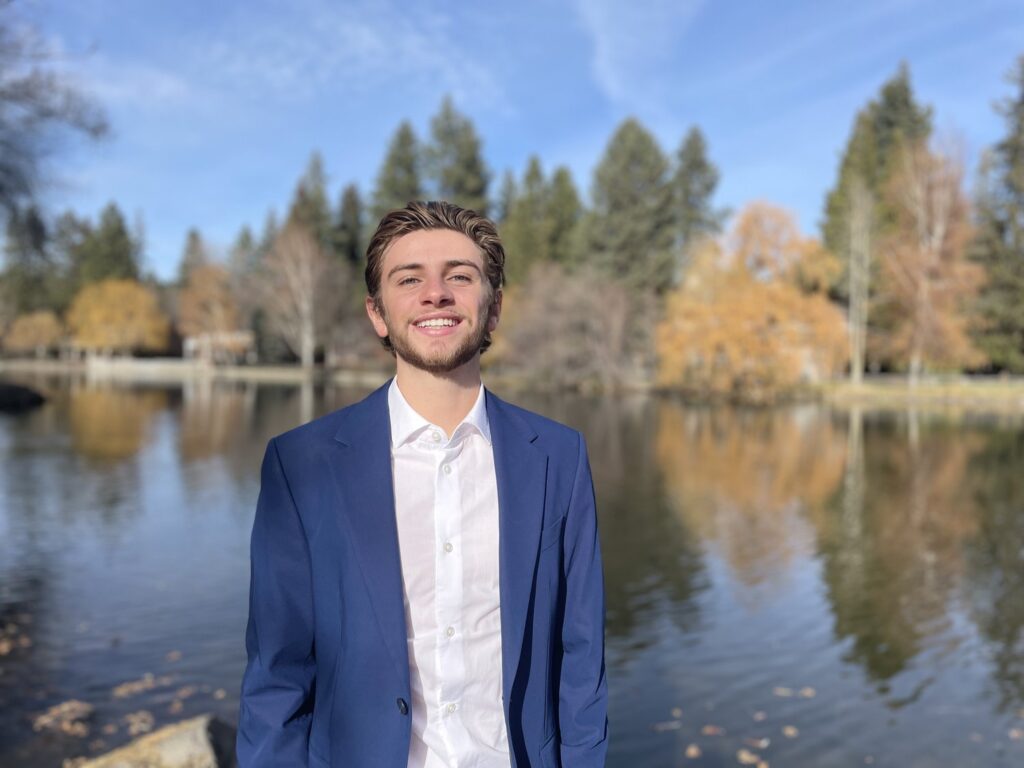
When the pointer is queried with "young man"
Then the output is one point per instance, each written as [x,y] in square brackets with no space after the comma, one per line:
[426,576]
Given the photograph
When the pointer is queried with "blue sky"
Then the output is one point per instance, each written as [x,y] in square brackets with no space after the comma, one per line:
[216,106]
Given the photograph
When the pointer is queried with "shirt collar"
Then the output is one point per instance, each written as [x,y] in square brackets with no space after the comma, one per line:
[407,424]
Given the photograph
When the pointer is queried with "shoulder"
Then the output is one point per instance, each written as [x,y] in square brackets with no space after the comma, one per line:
[554,436]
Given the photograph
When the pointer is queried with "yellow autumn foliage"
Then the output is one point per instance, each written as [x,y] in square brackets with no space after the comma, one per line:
[33,332]
[117,316]
[727,334]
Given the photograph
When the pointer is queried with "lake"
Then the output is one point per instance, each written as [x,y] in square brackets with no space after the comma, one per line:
[800,585]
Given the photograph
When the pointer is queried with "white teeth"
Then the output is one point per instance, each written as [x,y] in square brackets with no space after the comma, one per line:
[439,323]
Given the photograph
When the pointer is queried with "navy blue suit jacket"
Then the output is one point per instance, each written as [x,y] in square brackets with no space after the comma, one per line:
[327,679]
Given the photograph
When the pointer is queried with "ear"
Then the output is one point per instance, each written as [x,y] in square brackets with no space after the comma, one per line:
[379,326]
[495,311]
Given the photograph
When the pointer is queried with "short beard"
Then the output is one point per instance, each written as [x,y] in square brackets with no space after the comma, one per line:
[438,365]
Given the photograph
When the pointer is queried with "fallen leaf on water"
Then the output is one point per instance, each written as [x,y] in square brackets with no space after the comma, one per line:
[760,716]
[790,731]
[1016,734]
[97,744]
[109,729]
[677,712]
[65,717]
[219,694]
[782,692]
[176,707]
[746,757]
[173,656]
[762,743]
[976,737]
[145,683]
[808,693]
[668,725]
[693,752]
[5,646]
[763,764]
[139,722]
[712,730]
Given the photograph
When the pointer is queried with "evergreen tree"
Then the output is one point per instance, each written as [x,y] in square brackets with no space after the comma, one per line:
[30,281]
[454,158]
[271,229]
[506,197]
[398,181]
[193,256]
[693,186]
[348,227]
[629,232]
[564,214]
[243,255]
[107,251]
[999,243]
[525,233]
[310,207]
[880,130]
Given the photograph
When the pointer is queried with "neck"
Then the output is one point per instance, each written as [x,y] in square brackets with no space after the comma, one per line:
[441,398]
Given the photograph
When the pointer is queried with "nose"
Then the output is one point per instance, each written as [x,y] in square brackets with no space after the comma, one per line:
[436,291]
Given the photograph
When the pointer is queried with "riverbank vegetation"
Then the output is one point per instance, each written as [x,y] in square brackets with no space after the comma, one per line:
[643,282]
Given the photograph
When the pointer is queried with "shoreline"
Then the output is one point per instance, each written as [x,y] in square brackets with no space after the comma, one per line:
[981,392]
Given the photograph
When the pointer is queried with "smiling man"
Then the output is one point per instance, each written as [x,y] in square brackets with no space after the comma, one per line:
[426,583]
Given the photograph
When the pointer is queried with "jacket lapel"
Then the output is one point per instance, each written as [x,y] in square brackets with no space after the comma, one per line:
[362,476]
[520,468]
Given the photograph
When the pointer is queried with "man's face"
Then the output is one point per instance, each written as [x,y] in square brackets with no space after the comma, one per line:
[436,303]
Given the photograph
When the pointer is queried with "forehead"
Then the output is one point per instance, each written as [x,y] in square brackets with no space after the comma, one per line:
[431,245]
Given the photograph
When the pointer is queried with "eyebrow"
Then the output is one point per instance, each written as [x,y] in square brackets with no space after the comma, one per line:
[450,264]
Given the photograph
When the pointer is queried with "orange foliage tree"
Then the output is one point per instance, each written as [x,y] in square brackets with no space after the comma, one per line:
[117,316]
[752,324]
[206,303]
[927,281]
[34,332]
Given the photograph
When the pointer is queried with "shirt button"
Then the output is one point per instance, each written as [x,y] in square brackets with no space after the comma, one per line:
[448,546]
[451,708]
[447,469]
[435,436]
[450,631]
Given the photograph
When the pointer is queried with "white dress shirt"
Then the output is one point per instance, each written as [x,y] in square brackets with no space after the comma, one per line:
[446,504]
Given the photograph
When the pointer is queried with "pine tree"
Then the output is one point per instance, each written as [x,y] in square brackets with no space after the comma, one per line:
[693,186]
[310,207]
[398,181]
[525,231]
[107,251]
[999,243]
[30,281]
[629,232]
[193,256]
[454,158]
[880,130]
[506,197]
[348,227]
[564,214]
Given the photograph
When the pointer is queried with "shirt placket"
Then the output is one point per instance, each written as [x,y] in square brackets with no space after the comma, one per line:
[450,563]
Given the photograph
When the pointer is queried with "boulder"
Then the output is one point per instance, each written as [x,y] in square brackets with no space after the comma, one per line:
[202,742]
[16,399]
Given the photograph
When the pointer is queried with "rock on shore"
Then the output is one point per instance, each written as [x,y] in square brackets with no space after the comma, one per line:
[202,742]
[15,399]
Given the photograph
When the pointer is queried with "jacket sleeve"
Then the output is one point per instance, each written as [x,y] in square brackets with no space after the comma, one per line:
[583,692]
[278,686]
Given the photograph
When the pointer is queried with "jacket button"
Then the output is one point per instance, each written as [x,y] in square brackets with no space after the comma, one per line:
[403,707]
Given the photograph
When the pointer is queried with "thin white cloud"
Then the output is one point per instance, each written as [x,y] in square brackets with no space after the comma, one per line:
[633,44]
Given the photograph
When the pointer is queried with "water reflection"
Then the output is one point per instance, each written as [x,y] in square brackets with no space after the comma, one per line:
[876,557]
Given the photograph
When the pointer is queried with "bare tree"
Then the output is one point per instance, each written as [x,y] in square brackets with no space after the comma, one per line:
[37,104]
[297,286]
[860,221]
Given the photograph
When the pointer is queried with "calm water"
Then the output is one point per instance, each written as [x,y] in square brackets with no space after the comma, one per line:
[858,577]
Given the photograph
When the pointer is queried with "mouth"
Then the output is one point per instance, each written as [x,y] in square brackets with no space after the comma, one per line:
[437,325]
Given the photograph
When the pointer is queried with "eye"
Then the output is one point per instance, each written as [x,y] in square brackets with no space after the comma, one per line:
[462,278]
[407,281]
